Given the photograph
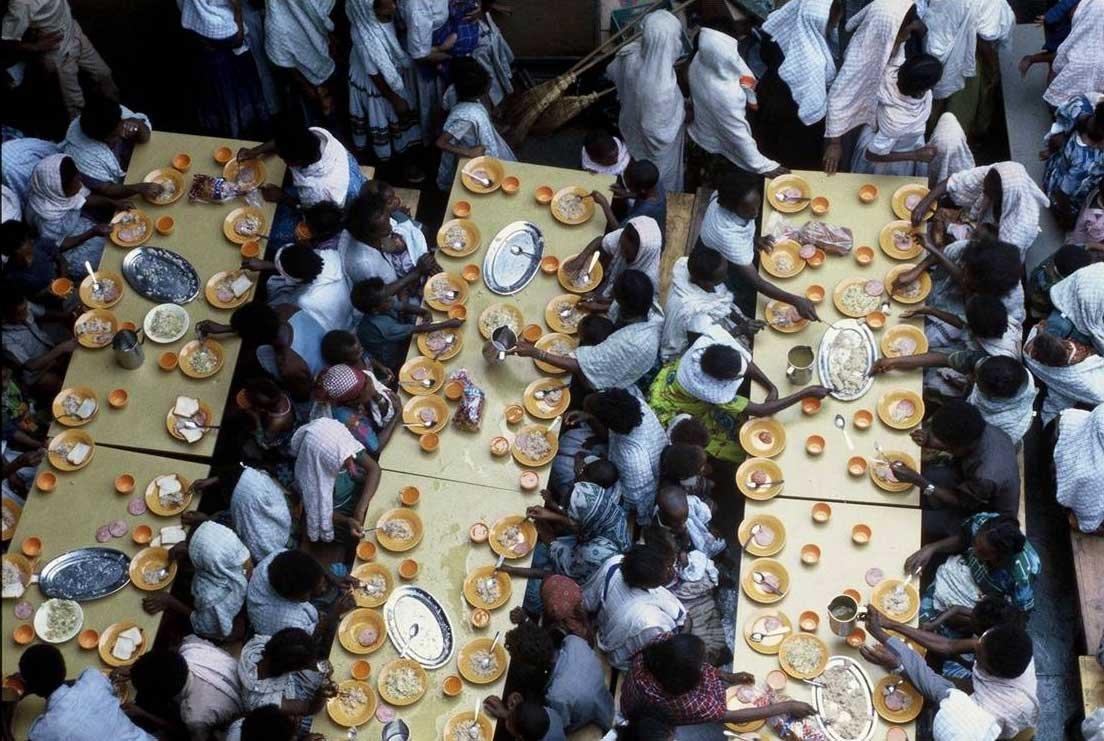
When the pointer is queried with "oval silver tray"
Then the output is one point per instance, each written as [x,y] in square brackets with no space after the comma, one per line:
[161,275]
[513,258]
[818,700]
[830,335]
[408,606]
[85,574]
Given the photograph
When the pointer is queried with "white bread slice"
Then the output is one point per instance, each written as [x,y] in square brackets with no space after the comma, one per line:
[123,648]
[133,634]
[168,484]
[77,455]
[190,434]
[87,408]
[186,406]
[240,285]
[172,535]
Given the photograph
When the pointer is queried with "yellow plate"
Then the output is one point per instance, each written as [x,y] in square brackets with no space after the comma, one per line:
[455,282]
[85,290]
[366,571]
[171,419]
[471,239]
[788,181]
[356,621]
[732,702]
[87,340]
[568,284]
[490,167]
[483,721]
[151,558]
[769,566]
[210,290]
[769,521]
[393,544]
[544,460]
[72,420]
[232,218]
[887,585]
[783,249]
[769,645]
[587,203]
[466,665]
[892,456]
[902,716]
[789,668]
[162,174]
[395,665]
[69,437]
[546,342]
[187,354]
[564,325]
[504,588]
[749,437]
[413,422]
[890,400]
[21,562]
[885,240]
[255,166]
[128,243]
[924,281]
[485,326]
[761,493]
[842,286]
[107,642]
[14,511]
[771,314]
[426,370]
[897,331]
[527,528]
[542,409]
[451,352]
[153,501]
[341,716]
[901,195]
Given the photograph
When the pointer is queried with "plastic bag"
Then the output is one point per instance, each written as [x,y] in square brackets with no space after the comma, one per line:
[837,240]
[469,411]
[207,189]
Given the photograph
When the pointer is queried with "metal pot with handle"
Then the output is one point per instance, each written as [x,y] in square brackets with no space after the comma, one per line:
[127,346]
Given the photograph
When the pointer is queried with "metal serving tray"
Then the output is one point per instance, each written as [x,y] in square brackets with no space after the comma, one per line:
[433,641]
[830,335]
[161,275]
[818,700]
[513,258]
[85,574]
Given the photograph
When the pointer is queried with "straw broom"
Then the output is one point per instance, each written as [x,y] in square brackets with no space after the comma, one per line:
[564,109]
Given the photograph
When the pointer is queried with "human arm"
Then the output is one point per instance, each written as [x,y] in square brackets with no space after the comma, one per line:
[526,350]
[341,605]
[48,358]
[612,222]
[447,143]
[433,326]
[1030,60]
[930,640]
[925,153]
[947,546]
[580,262]
[355,521]
[767,408]
[208,327]
[805,307]
[398,102]
[756,374]
[926,202]
[920,675]
[258,152]
[790,707]
[910,362]
[164,602]
[76,240]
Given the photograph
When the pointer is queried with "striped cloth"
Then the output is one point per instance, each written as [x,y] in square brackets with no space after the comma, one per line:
[94,158]
[1013,702]
[218,587]
[954,27]
[1080,298]
[1067,385]
[636,456]
[1078,66]
[952,150]
[321,449]
[1021,201]
[799,28]
[1079,465]
[297,36]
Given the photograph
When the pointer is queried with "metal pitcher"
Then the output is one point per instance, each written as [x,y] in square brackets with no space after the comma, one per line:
[502,341]
[127,345]
[843,615]
[799,364]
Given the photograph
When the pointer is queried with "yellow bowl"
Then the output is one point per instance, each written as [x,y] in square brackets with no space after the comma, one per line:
[61,287]
[862,419]
[868,193]
[118,398]
[466,245]
[88,639]
[31,546]
[510,184]
[500,446]
[875,320]
[543,194]
[531,332]
[864,255]
[45,481]
[528,481]
[339,712]
[856,465]
[149,559]
[784,251]
[360,669]
[366,550]
[458,312]
[409,495]
[251,249]
[856,638]
[587,204]
[527,529]
[363,573]
[182,162]
[815,293]
[817,259]
[452,685]
[861,534]
[142,534]
[487,167]
[819,205]
[255,177]
[514,414]
[461,209]
[821,512]
[505,588]
[480,618]
[810,406]
[549,264]
[167,361]
[23,634]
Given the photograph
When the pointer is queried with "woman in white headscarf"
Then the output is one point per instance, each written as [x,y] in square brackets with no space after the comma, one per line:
[56,198]
[894,143]
[952,150]
[1079,466]
[793,94]
[218,587]
[635,246]
[652,119]
[297,38]
[468,131]
[1078,65]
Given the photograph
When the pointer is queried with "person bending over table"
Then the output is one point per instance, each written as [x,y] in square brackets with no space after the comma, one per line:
[381,331]
[634,246]
[637,192]
[284,670]
[280,592]
[38,356]
[101,140]
[267,723]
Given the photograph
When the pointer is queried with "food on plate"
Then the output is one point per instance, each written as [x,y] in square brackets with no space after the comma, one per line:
[759,477]
[232,287]
[874,287]
[912,289]
[247,225]
[789,194]
[912,201]
[170,492]
[884,472]
[874,576]
[126,643]
[499,316]
[75,405]
[398,528]
[105,290]
[803,656]
[561,347]
[367,636]
[168,321]
[784,315]
[904,240]
[403,682]
[455,237]
[568,314]
[897,700]
[513,539]
[902,411]
[131,227]
[442,291]
[13,581]
[467,730]
[903,345]
[10,519]
[427,416]
[488,589]
[203,360]
[783,263]
[352,699]
[246,175]
[483,664]
[765,438]
[153,574]
[848,359]
[845,703]
[374,586]
[63,618]
[765,536]
[95,330]
[189,420]
[73,452]
[439,340]
[856,300]
[551,398]
[895,601]
[571,206]
[533,445]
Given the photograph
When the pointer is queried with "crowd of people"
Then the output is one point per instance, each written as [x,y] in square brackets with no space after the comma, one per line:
[637,560]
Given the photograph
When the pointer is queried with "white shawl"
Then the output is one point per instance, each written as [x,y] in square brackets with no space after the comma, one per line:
[94,158]
[1013,415]
[952,150]
[720,104]
[47,203]
[363,261]
[647,257]
[624,357]
[853,97]
[1021,201]
[259,511]
[652,116]
[953,30]
[297,36]
[960,718]
[698,383]
[954,585]
[900,116]
[1080,298]
[800,29]
[1078,66]
[18,159]
[685,301]
[376,49]
[321,448]
[328,178]
[1013,702]
[326,298]
[623,159]
[12,208]
[1067,386]
[1079,463]
[218,587]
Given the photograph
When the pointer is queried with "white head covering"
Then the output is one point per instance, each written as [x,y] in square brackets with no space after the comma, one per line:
[800,29]
[219,584]
[321,448]
[853,98]
[1021,200]
[952,150]
[376,48]
[46,198]
[1078,65]
[900,116]
[1079,463]
[961,719]
[1014,414]
[297,36]
[618,167]
[328,178]
[647,257]
[1013,702]
[1080,298]
[953,30]
[689,306]
[703,386]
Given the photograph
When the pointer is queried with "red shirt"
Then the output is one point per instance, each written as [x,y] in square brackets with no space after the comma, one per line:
[703,704]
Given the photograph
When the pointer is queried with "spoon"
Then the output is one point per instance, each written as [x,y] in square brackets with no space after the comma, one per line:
[753,486]
[841,423]
[755,530]
[485,663]
[498,564]
[92,275]
[425,382]
[760,580]
[409,637]
[593,260]
[486,182]
[900,588]
[517,250]
[759,637]
[541,393]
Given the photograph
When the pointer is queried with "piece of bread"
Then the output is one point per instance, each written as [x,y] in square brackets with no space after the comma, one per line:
[168,484]
[190,434]
[123,648]
[133,634]
[79,452]
[186,406]
[240,285]
[172,535]
[87,408]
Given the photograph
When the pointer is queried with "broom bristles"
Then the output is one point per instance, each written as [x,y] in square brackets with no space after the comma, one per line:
[563,110]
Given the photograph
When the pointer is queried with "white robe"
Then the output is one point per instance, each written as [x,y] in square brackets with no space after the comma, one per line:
[685,302]
[1079,465]
[898,127]
[1021,201]
[954,27]
[952,150]
[297,36]
[1078,66]
[800,29]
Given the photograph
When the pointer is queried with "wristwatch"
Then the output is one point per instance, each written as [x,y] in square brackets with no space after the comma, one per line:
[928,490]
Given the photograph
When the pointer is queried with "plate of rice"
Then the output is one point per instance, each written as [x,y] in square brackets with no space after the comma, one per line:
[572,205]
[172,186]
[402,682]
[131,228]
[783,261]
[375,584]
[95,328]
[803,656]
[910,293]
[845,710]
[535,446]
[484,587]
[244,224]
[399,529]
[105,292]
[353,705]
[478,664]
[897,604]
[513,536]
[466,727]
[556,344]
[201,359]
[166,323]
[458,237]
[444,290]
[500,315]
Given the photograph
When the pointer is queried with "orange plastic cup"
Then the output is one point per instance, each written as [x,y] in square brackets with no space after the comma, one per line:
[480,618]
[808,621]
[142,534]
[46,481]
[31,546]
[549,265]
[532,332]
[223,155]
[165,225]
[856,638]
[461,209]
[124,483]
[182,162]
[864,255]
[117,398]
[360,669]
[366,550]
[409,495]
[23,634]
[868,193]
[452,685]
[821,512]
[458,312]
[429,442]
[128,325]
[529,481]
[88,639]
[167,361]
[408,568]
[862,419]
[543,194]
[861,534]
[856,465]
[819,205]
[510,185]
[470,273]
[251,249]
[810,554]
[514,414]
[814,444]
[454,390]
[815,293]
[61,287]
[810,406]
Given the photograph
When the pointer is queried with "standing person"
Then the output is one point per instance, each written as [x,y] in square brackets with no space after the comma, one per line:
[1079,466]
[894,143]
[468,131]
[653,116]
[230,101]
[951,150]
[65,50]
[1079,62]
[55,206]
[298,39]
[1074,148]
[420,18]
[793,94]
[102,139]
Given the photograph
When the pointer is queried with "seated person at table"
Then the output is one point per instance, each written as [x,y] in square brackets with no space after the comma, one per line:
[194,690]
[39,356]
[376,245]
[265,723]
[1004,392]
[102,138]
[381,330]
[697,293]
[623,358]
[1003,700]
[670,680]
[32,263]
[687,465]
[1067,260]
[357,400]
[604,154]
[1079,466]
[218,586]
[341,347]
[635,246]
[990,556]
[632,604]
[312,280]
[637,192]
[569,677]
[280,593]
[526,720]
[468,130]
[1071,370]
[283,670]
[324,223]
[688,518]
[83,709]
[1079,306]
[267,420]
[24,424]
[981,477]
[399,211]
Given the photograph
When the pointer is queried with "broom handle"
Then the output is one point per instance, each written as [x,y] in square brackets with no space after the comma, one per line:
[589,61]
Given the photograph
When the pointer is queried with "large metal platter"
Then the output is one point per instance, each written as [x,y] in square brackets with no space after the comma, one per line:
[819,700]
[161,275]
[830,335]
[85,574]
[505,272]
[433,642]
